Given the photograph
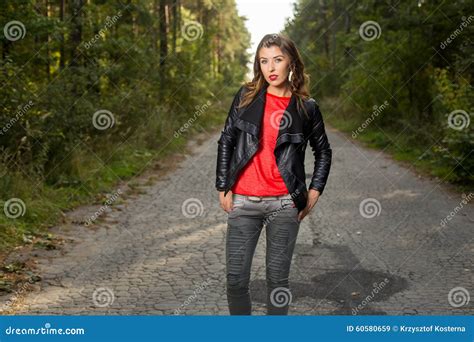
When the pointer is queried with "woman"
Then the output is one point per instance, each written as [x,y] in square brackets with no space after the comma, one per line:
[260,172]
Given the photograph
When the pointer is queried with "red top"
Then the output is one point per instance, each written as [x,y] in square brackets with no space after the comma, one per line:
[261,177]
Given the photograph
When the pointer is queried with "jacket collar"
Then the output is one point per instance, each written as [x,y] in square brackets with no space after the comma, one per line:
[291,125]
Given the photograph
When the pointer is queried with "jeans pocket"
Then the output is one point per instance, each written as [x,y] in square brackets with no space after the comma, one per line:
[287,203]
[237,201]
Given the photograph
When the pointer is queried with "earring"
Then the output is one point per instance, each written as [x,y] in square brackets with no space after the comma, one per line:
[290,76]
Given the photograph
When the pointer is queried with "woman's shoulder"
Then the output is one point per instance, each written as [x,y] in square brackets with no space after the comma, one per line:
[311,103]
[242,89]
[311,100]
[312,107]
[241,92]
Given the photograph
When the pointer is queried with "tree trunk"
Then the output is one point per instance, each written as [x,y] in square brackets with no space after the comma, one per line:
[163,35]
[76,31]
[175,25]
[62,49]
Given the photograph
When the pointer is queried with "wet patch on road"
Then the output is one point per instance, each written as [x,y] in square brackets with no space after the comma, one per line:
[351,288]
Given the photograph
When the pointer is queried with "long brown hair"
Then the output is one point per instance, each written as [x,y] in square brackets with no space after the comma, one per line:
[299,79]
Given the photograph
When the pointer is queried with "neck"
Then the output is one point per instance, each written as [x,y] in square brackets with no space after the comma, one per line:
[283,90]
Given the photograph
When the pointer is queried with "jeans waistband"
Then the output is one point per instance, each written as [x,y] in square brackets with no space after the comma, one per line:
[264,198]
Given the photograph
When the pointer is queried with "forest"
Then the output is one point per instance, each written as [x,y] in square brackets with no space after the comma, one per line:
[94,91]
[396,75]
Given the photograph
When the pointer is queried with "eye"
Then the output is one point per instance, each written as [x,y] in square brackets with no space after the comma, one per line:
[263,61]
[278,59]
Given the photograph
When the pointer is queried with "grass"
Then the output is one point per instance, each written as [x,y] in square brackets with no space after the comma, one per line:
[94,174]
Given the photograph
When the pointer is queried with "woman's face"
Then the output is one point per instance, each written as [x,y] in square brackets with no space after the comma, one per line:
[274,65]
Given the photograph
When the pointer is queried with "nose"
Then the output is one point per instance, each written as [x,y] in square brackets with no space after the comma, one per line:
[271,66]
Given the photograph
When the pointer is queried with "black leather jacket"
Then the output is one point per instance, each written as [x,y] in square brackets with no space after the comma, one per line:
[239,141]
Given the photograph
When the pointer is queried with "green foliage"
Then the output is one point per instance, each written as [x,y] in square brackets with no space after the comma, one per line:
[418,57]
[119,57]
[457,145]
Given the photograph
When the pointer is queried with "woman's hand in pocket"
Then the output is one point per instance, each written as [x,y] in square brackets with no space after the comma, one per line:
[226,201]
[313,196]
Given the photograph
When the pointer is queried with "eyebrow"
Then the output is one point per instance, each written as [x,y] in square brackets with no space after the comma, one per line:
[273,57]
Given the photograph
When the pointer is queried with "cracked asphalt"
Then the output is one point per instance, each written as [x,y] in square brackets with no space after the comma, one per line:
[375,243]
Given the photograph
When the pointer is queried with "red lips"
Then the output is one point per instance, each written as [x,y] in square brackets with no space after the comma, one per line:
[273,77]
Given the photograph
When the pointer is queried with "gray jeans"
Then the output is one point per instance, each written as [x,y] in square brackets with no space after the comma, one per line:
[244,224]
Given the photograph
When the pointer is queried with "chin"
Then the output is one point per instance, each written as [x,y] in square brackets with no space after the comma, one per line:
[274,83]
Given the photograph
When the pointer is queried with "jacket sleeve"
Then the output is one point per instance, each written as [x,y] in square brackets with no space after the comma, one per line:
[321,151]
[226,144]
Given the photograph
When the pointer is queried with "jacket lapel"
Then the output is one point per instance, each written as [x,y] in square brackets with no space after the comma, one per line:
[291,124]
